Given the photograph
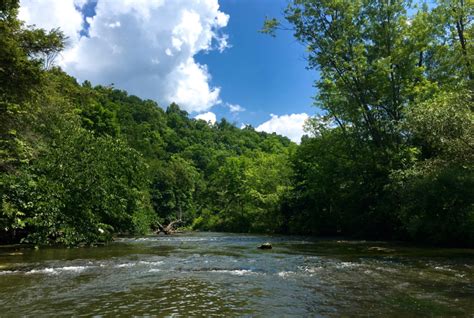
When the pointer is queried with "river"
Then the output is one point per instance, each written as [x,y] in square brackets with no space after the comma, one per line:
[220,274]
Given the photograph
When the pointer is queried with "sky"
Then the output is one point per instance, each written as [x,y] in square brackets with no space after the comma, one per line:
[205,55]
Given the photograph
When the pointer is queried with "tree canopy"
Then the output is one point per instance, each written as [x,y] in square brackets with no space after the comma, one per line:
[391,157]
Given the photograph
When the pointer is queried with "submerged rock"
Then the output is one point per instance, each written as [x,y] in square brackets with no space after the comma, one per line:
[381,249]
[265,246]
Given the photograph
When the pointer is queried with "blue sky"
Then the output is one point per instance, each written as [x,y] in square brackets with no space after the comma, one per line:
[205,55]
[261,73]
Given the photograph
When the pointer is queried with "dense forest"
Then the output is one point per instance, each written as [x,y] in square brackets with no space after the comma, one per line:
[391,158]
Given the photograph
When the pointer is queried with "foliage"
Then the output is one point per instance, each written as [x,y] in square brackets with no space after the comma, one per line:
[78,190]
[392,156]
[436,203]
[81,163]
[173,190]
[246,193]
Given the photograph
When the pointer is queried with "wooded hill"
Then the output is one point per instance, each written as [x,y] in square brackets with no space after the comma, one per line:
[392,158]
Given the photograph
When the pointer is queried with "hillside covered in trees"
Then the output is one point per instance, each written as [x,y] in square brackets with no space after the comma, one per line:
[392,157]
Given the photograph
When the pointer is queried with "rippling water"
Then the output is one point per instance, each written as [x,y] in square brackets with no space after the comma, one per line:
[212,274]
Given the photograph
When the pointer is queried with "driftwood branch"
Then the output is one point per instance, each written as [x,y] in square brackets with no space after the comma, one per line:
[168,229]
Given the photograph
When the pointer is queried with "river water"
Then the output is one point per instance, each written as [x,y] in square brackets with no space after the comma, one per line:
[216,274]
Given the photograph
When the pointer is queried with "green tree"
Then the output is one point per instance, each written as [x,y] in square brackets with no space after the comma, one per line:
[23,53]
[436,192]
[246,193]
[82,189]
[173,190]
[380,64]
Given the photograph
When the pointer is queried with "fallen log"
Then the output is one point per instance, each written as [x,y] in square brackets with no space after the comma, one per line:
[168,229]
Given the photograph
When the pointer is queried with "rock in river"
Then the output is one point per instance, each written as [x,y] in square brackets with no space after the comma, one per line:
[265,246]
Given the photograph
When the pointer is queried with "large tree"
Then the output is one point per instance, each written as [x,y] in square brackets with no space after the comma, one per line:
[396,87]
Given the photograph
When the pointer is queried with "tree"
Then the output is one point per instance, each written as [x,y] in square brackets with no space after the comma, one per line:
[82,189]
[246,193]
[454,50]
[437,202]
[391,75]
[173,189]
[23,52]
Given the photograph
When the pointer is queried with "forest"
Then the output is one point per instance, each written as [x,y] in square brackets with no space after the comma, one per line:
[390,158]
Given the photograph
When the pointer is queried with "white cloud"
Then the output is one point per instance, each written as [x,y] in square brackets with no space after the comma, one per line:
[290,126]
[223,43]
[145,47]
[51,14]
[235,108]
[208,117]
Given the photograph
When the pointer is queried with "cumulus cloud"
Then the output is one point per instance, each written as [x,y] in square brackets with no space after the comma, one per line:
[235,108]
[209,117]
[145,47]
[51,14]
[290,126]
